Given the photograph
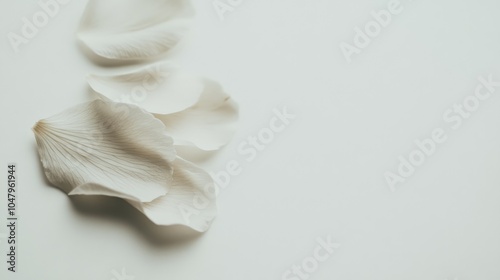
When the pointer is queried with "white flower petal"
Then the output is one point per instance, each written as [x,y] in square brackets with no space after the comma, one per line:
[208,124]
[134,29]
[158,88]
[106,148]
[190,200]
[197,112]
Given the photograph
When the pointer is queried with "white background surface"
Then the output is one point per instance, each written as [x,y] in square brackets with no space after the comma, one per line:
[323,175]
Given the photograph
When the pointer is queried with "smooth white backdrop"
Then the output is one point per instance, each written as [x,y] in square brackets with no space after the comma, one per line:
[323,175]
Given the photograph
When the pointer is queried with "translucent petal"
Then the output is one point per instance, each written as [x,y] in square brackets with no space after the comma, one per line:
[106,148]
[196,111]
[209,124]
[134,29]
[158,88]
[189,202]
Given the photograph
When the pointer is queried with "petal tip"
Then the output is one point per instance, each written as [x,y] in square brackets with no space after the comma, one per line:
[39,127]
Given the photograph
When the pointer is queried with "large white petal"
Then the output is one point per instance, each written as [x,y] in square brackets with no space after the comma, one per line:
[134,29]
[189,202]
[106,148]
[196,111]
[158,88]
[208,124]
